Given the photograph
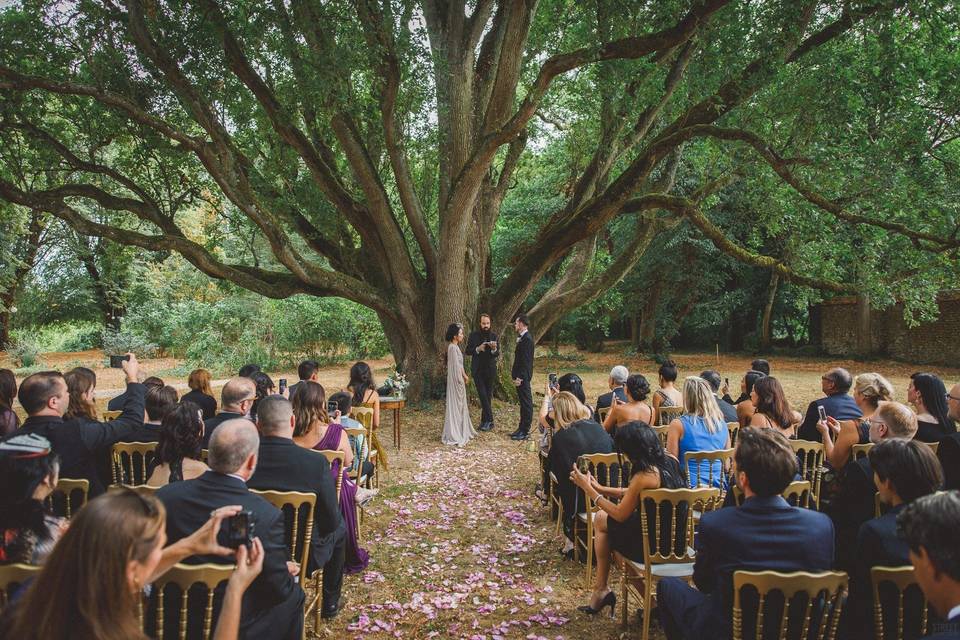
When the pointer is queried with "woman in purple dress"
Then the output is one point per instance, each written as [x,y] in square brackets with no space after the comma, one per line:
[312,431]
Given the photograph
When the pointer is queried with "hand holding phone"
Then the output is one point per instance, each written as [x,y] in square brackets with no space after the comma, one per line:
[822,412]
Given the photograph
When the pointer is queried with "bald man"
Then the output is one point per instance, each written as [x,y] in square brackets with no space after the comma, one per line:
[273,605]
[236,398]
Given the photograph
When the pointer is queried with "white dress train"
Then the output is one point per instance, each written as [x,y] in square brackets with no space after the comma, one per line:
[457,427]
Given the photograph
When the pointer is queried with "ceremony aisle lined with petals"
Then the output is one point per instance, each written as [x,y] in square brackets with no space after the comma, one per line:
[460,548]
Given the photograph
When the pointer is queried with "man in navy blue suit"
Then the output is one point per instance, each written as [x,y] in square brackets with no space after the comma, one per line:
[765,533]
[837,402]
[929,525]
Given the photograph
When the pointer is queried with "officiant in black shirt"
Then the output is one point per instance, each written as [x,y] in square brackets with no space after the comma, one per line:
[484,350]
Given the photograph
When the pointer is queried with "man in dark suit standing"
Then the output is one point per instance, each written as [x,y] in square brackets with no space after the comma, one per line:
[236,398]
[765,533]
[273,605]
[837,403]
[522,374]
[929,525]
[483,349]
[285,466]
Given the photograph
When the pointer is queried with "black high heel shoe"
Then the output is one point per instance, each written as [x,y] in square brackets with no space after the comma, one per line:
[609,600]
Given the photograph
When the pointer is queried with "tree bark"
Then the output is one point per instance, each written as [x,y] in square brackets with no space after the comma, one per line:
[26,253]
[766,321]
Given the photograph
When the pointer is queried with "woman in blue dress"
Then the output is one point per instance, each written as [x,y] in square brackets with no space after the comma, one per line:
[700,428]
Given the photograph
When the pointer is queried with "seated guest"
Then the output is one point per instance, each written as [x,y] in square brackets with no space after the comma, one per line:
[344,406]
[928,395]
[837,403]
[745,408]
[574,434]
[904,470]
[117,403]
[177,456]
[757,366]
[308,370]
[771,409]
[869,390]
[62,411]
[273,606]
[200,393]
[28,474]
[728,410]
[765,533]
[929,526]
[949,449]
[91,585]
[853,503]
[9,420]
[569,383]
[264,388]
[158,403]
[617,383]
[364,390]
[635,409]
[617,524]
[700,428]
[247,370]
[283,466]
[667,395]
[313,431]
[236,398]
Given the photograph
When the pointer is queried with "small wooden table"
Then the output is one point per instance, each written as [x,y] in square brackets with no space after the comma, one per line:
[395,404]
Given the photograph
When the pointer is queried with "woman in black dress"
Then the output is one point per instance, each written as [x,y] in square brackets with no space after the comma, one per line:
[928,395]
[200,393]
[178,451]
[617,524]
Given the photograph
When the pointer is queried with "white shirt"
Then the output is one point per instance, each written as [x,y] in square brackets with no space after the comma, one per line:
[954,612]
[522,333]
[238,477]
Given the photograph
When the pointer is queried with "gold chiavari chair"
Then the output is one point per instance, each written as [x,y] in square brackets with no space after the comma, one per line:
[810,459]
[824,596]
[797,494]
[297,508]
[184,576]
[130,461]
[610,470]
[733,428]
[934,446]
[861,450]
[357,474]
[556,505]
[145,489]
[63,494]
[12,575]
[204,455]
[332,456]
[111,415]
[667,414]
[602,414]
[716,474]
[672,553]
[662,434]
[364,415]
[901,578]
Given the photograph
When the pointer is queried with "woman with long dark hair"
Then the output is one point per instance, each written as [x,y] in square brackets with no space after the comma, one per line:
[617,524]
[928,395]
[313,430]
[28,474]
[92,582]
[457,427]
[745,408]
[264,384]
[177,456]
[635,409]
[364,390]
[9,420]
[771,408]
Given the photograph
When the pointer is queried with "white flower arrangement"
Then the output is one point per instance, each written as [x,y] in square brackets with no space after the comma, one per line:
[398,382]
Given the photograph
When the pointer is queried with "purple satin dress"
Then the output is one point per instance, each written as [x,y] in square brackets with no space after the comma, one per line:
[357,558]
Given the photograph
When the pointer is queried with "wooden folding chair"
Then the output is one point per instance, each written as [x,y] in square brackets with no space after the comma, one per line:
[12,575]
[810,459]
[184,576]
[903,579]
[610,470]
[63,494]
[125,457]
[824,596]
[672,553]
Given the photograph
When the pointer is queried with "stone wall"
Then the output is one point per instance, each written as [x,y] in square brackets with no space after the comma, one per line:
[838,330]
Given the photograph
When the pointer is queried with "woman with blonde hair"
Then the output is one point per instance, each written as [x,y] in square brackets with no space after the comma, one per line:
[92,582]
[575,435]
[700,428]
[869,390]
[200,393]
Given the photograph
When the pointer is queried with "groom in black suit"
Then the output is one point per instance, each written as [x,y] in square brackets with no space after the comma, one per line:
[483,350]
[522,374]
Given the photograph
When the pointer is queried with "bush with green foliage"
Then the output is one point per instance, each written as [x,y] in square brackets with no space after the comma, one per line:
[23,350]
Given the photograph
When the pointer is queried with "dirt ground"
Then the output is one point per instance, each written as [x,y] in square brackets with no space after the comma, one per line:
[459,546]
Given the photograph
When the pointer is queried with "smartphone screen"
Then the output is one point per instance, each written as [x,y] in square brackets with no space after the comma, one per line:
[553,379]
[823,412]
[283,385]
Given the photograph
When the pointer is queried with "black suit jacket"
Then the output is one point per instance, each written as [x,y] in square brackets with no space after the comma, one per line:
[284,466]
[207,404]
[840,406]
[949,454]
[482,360]
[142,433]
[523,359]
[604,401]
[189,504]
[852,506]
[214,422]
[728,410]
[577,439]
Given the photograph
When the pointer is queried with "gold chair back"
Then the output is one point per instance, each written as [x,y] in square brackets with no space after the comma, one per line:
[662,434]
[12,575]
[602,465]
[125,455]
[359,432]
[333,455]
[902,578]
[830,584]
[733,428]
[680,521]
[810,459]
[602,414]
[666,414]
[861,450]
[294,504]
[63,494]
[145,489]
[714,478]
[363,415]
[185,576]
[934,446]
[111,415]
[797,494]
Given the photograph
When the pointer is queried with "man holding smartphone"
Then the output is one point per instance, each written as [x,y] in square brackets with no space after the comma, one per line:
[483,349]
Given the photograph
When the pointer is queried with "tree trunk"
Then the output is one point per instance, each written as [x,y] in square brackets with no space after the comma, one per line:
[26,256]
[648,317]
[766,321]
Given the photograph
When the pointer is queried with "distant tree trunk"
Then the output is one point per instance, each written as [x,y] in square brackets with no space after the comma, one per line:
[27,255]
[864,326]
[766,321]
[648,318]
[110,305]
[635,330]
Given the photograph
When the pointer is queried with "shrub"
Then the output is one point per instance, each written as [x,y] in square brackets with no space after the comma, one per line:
[117,342]
[24,350]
